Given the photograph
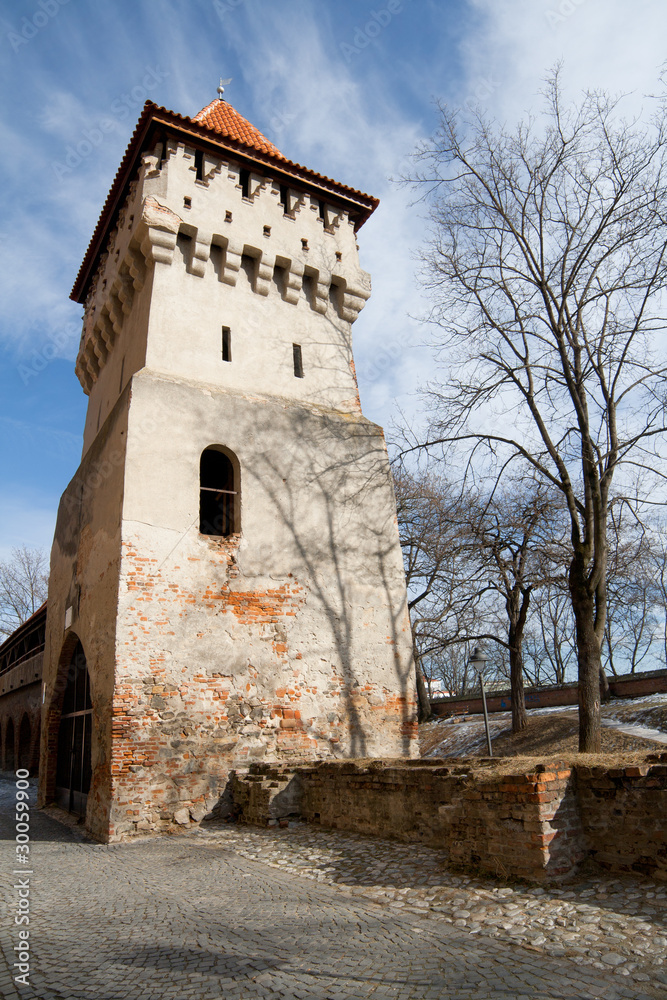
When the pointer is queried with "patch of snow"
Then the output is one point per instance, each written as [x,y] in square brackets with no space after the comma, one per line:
[643,731]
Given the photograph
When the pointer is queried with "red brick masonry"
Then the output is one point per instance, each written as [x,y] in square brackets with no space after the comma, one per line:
[538,825]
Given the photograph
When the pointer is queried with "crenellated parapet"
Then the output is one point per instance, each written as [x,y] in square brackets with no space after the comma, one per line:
[226,218]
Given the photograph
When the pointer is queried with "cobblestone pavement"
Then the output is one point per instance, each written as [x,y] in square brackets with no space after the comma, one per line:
[232,912]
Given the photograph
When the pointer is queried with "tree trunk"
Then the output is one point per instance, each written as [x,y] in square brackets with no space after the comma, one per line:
[588,658]
[518,700]
[516,603]
[422,695]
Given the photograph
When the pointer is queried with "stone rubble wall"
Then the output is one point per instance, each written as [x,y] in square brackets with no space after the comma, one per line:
[537,825]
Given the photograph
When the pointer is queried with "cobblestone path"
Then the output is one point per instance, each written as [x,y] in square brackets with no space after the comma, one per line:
[193,916]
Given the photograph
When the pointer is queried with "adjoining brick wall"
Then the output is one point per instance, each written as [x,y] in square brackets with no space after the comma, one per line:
[627,686]
[538,824]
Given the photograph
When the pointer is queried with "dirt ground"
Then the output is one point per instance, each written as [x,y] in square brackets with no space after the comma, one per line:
[553,735]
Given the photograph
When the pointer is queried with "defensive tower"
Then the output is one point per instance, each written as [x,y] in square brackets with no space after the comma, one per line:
[226,576]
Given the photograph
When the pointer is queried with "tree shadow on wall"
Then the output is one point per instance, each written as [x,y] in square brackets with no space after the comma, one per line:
[327,480]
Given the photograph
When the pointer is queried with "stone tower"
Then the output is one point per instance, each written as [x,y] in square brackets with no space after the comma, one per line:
[226,577]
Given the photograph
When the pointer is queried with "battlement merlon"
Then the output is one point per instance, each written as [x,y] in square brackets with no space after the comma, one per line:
[155,139]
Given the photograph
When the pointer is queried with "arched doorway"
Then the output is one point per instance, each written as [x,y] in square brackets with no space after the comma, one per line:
[73,761]
[10,763]
[25,743]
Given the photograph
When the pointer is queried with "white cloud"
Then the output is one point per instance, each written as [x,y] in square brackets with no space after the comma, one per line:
[607,44]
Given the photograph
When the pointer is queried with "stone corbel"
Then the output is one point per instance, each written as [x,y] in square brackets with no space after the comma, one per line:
[124,289]
[90,359]
[83,375]
[232,262]
[136,265]
[264,273]
[354,299]
[157,232]
[115,309]
[321,289]
[101,333]
[107,331]
[293,282]
[99,349]
[201,251]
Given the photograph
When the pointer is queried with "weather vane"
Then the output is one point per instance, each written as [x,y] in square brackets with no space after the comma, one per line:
[223,84]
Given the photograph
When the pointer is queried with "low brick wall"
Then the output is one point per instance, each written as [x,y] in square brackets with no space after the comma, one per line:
[536,824]
[624,814]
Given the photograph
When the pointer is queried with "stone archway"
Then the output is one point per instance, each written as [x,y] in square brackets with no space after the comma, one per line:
[73,766]
[25,744]
[10,761]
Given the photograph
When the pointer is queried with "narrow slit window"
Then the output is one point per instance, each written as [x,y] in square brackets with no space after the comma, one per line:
[217,494]
[284,198]
[298,360]
[226,344]
[244,181]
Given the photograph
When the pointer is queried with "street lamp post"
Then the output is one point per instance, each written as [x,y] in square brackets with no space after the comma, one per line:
[478,661]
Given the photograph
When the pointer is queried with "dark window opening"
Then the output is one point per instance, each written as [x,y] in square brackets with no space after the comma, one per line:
[199,164]
[323,212]
[228,216]
[284,198]
[244,181]
[217,494]
[187,202]
[304,244]
[267,230]
[298,360]
[226,344]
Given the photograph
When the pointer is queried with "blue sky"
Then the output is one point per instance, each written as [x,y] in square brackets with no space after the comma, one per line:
[345,87]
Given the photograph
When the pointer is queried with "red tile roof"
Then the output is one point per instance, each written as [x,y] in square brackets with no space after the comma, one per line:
[220,129]
[222,118]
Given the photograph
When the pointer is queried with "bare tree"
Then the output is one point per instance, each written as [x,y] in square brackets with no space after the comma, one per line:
[551,642]
[23,587]
[659,561]
[547,264]
[472,563]
[514,530]
[437,560]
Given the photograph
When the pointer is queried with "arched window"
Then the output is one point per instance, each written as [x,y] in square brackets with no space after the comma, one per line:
[218,494]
